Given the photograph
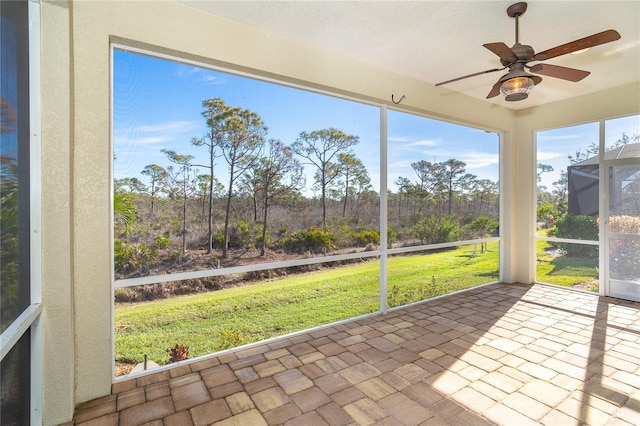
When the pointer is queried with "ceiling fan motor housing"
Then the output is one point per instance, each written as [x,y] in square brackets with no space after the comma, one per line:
[523,52]
[517,83]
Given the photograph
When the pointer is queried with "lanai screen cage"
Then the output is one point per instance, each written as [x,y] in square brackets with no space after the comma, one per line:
[624,184]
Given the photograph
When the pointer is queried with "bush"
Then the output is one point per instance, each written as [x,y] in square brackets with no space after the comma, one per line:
[132,257]
[437,229]
[177,353]
[392,235]
[625,254]
[484,226]
[578,227]
[312,239]
[367,236]
[162,241]
[546,214]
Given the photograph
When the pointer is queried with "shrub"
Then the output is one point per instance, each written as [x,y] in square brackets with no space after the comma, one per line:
[367,236]
[312,239]
[437,229]
[231,337]
[484,226]
[178,353]
[162,241]
[132,257]
[546,214]
[625,254]
[258,236]
[578,227]
[392,235]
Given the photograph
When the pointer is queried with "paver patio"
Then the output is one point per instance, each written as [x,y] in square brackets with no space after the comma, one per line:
[497,354]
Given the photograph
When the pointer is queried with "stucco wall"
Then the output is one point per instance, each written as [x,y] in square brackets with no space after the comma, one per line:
[77,155]
[57,290]
[616,102]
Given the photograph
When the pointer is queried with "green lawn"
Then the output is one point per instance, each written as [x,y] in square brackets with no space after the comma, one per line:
[217,320]
[565,270]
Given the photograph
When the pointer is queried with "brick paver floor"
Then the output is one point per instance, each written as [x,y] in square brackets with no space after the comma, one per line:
[498,354]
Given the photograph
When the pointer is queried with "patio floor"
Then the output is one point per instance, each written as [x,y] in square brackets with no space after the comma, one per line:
[498,354]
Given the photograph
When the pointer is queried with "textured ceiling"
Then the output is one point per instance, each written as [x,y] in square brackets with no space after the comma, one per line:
[435,41]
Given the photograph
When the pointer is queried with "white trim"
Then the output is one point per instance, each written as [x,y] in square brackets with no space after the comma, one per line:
[179,276]
[568,240]
[35,213]
[18,327]
[603,214]
[155,279]
[111,217]
[606,235]
[36,370]
[35,174]
[383,210]
[428,247]
[501,216]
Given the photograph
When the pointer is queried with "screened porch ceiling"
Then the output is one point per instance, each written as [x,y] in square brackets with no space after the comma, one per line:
[434,41]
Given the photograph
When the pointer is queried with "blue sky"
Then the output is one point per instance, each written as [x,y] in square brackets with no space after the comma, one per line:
[158,104]
[554,146]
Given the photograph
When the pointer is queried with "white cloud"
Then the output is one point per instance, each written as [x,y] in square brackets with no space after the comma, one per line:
[545,137]
[198,74]
[545,156]
[170,126]
[421,144]
[476,160]
[149,140]
[397,139]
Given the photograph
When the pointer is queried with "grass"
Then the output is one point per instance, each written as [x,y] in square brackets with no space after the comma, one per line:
[217,320]
[563,270]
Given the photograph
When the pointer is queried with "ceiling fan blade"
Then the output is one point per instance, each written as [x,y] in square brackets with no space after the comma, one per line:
[583,43]
[503,51]
[570,74]
[495,90]
[470,75]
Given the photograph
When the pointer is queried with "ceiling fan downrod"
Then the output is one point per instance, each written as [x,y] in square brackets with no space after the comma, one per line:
[515,11]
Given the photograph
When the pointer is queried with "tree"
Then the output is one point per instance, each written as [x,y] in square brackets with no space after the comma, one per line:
[320,147]
[279,176]
[129,184]
[157,179]
[430,179]
[543,168]
[250,185]
[183,185]
[239,135]
[404,186]
[211,111]
[354,175]
[124,210]
[453,169]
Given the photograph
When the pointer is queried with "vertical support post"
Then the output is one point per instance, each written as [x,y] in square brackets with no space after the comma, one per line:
[383,209]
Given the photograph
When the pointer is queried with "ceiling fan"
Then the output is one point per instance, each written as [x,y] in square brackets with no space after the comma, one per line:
[517,83]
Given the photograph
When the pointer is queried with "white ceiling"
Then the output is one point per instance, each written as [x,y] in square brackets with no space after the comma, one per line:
[436,41]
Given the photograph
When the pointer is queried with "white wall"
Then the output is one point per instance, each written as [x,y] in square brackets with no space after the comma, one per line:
[77,154]
[619,101]
[57,239]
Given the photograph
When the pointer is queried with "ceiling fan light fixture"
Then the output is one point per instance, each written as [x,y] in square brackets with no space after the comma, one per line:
[581,51]
[517,88]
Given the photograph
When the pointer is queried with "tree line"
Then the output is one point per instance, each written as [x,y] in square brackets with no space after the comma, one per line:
[264,175]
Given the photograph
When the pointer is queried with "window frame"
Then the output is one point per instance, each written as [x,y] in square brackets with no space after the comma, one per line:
[30,319]
[381,253]
[603,194]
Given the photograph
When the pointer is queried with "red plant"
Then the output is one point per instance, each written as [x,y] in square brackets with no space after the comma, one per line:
[178,353]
